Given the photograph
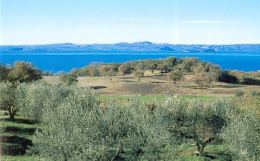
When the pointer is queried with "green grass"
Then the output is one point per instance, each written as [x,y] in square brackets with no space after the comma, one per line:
[152,98]
[15,133]
[186,152]
[20,158]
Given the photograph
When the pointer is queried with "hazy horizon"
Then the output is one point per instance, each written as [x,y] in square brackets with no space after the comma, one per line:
[122,42]
[202,22]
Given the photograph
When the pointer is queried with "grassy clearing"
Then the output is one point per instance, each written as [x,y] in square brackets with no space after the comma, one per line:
[154,84]
[19,158]
[149,99]
[15,138]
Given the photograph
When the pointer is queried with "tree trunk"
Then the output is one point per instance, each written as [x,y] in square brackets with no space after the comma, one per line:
[11,115]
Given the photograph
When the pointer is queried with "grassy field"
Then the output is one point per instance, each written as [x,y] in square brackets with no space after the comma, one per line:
[155,84]
[15,138]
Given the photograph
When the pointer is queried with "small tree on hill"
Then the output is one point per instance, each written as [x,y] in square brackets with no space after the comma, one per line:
[108,71]
[175,76]
[138,75]
[124,69]
[203,80]
[164,68]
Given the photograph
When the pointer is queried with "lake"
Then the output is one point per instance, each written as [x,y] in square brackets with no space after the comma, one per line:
[57,62]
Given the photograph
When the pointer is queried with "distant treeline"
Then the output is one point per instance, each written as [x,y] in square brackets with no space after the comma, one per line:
[173,67]
[184,65]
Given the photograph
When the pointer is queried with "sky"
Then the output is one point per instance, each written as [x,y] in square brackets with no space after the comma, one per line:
[110,21]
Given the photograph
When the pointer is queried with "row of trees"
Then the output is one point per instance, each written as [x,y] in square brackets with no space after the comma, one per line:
[185,65]
[76,126]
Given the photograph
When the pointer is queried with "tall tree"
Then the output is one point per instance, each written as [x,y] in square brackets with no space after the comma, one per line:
[23,72]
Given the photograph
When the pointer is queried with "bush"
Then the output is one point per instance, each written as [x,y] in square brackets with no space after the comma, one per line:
[255,93]
[239,93]
[175,76]
[69,79]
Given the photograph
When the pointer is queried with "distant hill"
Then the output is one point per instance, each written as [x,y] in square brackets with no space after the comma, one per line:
[129,47]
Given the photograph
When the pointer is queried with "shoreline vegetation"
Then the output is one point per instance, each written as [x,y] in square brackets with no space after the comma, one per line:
[167,109]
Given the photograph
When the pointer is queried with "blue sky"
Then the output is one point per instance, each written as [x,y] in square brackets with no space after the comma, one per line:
[110,21]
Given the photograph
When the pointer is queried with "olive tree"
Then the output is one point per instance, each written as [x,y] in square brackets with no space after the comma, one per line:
[242,135]
[195,121]
[79,129]
[124,69]
[175,76]
[138,75]
[40,96]
[11,98]
[203,80]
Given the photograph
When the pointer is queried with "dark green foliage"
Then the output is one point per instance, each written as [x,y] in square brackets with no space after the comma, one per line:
[249,81]
[68,79]
[175,76]
[3,72]
[239,93]
[227,77]
[23,72]
[187,64]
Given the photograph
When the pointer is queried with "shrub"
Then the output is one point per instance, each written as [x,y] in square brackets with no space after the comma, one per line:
[255,93]
[239,93]
[69,79]
[175,76]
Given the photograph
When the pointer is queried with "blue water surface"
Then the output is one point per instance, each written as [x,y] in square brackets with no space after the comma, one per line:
[57,62]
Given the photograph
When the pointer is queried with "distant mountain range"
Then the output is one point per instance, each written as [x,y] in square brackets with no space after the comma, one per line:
[129,47]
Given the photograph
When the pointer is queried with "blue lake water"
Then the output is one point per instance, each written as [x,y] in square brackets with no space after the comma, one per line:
[56,62]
